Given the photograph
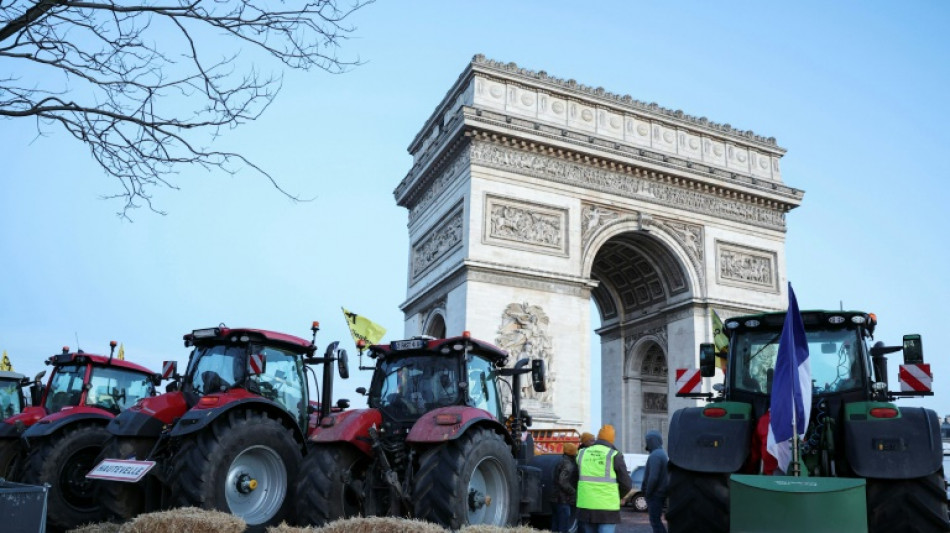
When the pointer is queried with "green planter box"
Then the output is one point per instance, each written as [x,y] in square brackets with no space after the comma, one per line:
[22,507]
[795,504]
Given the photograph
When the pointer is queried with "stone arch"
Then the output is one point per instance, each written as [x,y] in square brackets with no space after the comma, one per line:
[523,184]
[435,324]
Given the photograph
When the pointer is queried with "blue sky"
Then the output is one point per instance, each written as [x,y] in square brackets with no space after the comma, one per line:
[856,92]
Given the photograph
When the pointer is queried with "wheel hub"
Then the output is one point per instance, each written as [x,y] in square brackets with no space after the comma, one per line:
[477,500]
[246,484]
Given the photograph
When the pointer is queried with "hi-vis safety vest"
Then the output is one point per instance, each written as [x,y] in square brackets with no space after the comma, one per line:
[597,486]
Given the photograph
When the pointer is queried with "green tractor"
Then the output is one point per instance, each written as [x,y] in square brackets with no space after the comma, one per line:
[864,462]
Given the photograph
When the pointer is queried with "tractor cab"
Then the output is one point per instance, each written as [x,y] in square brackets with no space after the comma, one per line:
[12,401]
[81,379]
[263,363]
[419,375]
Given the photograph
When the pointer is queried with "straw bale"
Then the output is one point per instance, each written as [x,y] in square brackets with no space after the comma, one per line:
[104,527]
[188,519]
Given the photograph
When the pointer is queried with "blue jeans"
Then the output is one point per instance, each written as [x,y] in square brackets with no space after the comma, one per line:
[587,527]
[655,509]
[562,520]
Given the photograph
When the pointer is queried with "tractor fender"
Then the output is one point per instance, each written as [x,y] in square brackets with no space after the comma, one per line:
[432,428]
[349,426]
[907,446]
[715,445]
[17,423]
[56,421]
[202,415]
[149,416]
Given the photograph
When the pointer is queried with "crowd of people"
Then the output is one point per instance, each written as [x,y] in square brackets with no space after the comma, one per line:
[592,483]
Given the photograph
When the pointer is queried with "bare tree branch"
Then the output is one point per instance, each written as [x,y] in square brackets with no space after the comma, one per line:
[143,85]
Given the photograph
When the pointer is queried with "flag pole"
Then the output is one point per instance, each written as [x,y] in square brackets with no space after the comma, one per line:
[796,468]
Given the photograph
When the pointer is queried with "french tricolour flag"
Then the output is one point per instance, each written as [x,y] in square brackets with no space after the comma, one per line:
[791,386]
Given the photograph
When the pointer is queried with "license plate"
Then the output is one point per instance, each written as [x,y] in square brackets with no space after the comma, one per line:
[411,344]
[125,470]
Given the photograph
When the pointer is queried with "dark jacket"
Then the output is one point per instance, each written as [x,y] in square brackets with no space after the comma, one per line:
[655,478]
[624,483]
[565,480]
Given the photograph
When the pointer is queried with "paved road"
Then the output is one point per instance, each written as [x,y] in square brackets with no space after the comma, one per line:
[634,522]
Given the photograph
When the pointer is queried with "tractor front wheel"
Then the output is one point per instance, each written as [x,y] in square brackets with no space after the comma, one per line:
[242,465]
[916,505]
[63,460]
[698,502]
[471,480]
[330,484]
[123,501]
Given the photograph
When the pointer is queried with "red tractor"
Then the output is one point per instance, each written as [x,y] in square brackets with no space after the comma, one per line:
[57,439]
[434,443]
[228,435]
[12,403]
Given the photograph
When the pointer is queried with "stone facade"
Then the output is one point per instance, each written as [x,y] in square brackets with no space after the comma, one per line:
[530,195]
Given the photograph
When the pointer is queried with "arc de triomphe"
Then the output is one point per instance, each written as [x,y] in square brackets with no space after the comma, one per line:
[529,195]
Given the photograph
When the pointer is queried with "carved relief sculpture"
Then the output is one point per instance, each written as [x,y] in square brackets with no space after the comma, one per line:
[437,243]
[523,333]
[746,266]
[525,225]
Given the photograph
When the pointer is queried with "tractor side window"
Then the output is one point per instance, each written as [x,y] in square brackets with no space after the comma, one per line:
[217,368]
[482,392]
[280,381]
[65,387]
[116,389]
[9,399]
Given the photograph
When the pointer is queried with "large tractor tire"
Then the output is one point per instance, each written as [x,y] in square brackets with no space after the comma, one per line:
[907,505]
[63,460]
[330,484]
[698,502]
[471,480]
[9,458]
[243,464]
[123,501]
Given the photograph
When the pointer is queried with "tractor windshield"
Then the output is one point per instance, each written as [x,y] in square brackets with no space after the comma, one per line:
[834,356]
[115,389]
[217,368]
[409,386]
[10,399]
[65,387]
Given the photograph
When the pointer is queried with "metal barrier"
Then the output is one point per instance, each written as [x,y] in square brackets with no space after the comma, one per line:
[23,507]
[552,441]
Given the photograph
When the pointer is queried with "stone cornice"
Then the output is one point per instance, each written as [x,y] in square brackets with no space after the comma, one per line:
[495,126]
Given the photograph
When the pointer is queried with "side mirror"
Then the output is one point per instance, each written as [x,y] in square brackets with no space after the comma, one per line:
[913,350]
[343,403]
[256,364]
[361,391]
[538,375]
[172,387]
[343,364]
[707,360]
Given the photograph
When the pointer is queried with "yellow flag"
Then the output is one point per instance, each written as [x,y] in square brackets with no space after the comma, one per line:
[720,340]
[121,352]
[5,363]
[363,328]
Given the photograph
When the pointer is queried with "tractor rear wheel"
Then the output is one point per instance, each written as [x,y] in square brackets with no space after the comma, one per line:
[907,505]
[330,483]
[123,501]
[62,460]
[9,455]
[471,480]
[241,465]
[698,502]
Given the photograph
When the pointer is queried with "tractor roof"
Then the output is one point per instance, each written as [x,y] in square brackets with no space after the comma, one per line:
[223,333]
[428,345]
[6,375]
[81,357]
[810,318]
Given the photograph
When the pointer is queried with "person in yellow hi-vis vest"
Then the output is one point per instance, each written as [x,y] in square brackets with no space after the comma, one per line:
[603,480]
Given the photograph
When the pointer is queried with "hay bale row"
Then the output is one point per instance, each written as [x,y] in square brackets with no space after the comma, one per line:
[193,520]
